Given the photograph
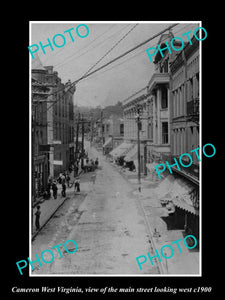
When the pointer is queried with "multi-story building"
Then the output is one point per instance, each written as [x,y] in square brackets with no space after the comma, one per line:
[169,107]
[154,105]
[40,156]
[63,124]
[185,106]
[159,102]
[112,132]
[184,116]
[137,103]
[53,123]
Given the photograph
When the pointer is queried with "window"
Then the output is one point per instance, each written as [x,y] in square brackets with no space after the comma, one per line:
[190,89]
[164,103]
[121,129]
[164,132]
[166,66]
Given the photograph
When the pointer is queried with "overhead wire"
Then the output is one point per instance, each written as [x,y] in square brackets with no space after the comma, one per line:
[128,59]
[86,73]
[70,42]
[115,59]
[88,50]
[114,46]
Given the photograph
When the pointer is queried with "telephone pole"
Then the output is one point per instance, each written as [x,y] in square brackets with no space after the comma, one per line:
[102,131]
[77,136]
[138,147]
[82,141]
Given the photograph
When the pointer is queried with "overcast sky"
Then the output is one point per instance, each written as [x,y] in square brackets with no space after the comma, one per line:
[117,81]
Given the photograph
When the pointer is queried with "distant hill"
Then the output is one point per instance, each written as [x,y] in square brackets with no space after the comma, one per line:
[96,112]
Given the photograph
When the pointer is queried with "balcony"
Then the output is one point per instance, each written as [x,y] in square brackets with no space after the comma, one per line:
[193,107]
[156,79]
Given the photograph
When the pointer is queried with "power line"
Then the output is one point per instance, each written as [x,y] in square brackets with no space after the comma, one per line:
[113,60]
[71,56]
[125,53]
[117,43]
[132,57]
[86,73]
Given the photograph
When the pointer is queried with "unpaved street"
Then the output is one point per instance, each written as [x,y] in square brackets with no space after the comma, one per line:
[106,222]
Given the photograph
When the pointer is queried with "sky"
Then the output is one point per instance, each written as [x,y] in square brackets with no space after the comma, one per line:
[117,81]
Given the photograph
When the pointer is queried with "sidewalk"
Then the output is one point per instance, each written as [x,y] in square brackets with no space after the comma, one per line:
[186,262]
[49,207]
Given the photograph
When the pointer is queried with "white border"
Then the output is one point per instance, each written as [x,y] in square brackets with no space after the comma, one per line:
[30,158]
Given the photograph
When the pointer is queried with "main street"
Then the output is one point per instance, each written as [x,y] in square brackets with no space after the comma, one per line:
[107,223]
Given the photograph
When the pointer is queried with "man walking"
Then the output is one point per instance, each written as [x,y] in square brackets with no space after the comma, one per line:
[63,189]
[37,220]
[77,184]
[54,188]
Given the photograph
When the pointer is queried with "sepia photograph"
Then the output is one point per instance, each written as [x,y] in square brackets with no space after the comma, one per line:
[115,148]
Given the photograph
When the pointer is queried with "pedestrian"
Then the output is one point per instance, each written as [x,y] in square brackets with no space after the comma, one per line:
[68,180]
[63,178]
[59,179]
[92,165]
[96,163]
[37,220]
[55,189]
[77,184]
[49,190]
[63,189]
[93,177]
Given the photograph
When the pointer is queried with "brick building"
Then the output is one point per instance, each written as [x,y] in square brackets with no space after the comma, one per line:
[52,112]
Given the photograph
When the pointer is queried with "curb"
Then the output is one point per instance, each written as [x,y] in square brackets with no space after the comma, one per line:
[48,219]
[51,215]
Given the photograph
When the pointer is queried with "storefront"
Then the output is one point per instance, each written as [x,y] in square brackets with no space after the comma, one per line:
[121,150]
[184,195]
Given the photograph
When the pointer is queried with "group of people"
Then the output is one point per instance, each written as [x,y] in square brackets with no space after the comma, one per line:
[90,165]
[64,179]
[52,184]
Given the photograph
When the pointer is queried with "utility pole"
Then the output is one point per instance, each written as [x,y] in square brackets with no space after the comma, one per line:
[77,136]
[82,142]
[102,131]
[33,164]
[92,127]
[138,147]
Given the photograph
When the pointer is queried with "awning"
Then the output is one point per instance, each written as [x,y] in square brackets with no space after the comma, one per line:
[107,142]
[180,191]
[185,203]
[121,150]
[132,153]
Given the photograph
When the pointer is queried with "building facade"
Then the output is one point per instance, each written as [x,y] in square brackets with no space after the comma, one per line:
[53,141]
[169,117]
[133,105]
[159,102]
[112,132]
[185,104]
[184,115]
[40,155]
